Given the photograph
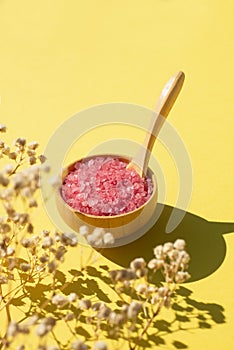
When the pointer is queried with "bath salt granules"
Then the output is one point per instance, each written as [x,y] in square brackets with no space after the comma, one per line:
[103,186]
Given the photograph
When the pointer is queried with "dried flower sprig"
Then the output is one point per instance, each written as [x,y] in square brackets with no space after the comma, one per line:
[27,258]
[98,238]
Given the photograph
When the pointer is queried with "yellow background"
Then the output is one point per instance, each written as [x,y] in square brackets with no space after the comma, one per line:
[58,57]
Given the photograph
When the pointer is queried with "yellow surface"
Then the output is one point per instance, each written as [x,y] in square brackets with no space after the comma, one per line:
[58,57]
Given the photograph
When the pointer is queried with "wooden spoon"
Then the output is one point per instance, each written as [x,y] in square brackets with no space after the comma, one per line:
[164,104]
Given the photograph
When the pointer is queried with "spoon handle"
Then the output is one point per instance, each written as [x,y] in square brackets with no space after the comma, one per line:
[164,104]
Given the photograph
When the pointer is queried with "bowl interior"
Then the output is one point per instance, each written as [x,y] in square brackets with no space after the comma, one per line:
[125,159]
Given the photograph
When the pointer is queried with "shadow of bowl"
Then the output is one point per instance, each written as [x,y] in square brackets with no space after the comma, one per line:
[204,239]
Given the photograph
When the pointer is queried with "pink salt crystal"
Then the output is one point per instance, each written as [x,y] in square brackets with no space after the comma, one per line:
[103,186]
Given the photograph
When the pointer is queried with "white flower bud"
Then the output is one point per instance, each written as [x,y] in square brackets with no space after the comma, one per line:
[6,150]
[79,345]
[60,252]
[26,192]
[10,251]
[59,300]
[4,181]
[33,320]
[12,262]
[182,276]
[125,308]
[25,267]
[45,232]
[97,306]
[100,345]
[20,142]
[155,264]
[32,160]
[12,329]
[3,280]
[163,291]
[52,266]
[184,257]
[167,302]
[158,252]
[23,329]
[179,244]
[29,242]
[45,168]
[83,230]
[69,238]
[7,194]
[173,254]
[155,299]
[141,272]
[41,330]
[133,309]
[44,258]
[152,289]
[3,128]
[98,243]
[98,233]
[20,347]
[167,247]
[24,218]
[125,275]
[142,288]
[33,145]
[5,228]
[12,155]
[42,158]
[32,203]
[42,347]
[116,318]
[108,239]
[138,263]
[104,312]
[47,242]
[72,297]
[69,317]
[91,240]
[8,168]
[31,153]
[85,304]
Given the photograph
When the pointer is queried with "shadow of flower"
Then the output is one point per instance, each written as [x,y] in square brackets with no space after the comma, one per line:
[189,314]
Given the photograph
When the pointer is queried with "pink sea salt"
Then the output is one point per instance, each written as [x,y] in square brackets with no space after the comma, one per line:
[103,186]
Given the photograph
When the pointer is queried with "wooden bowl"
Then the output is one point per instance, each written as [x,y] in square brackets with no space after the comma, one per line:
[121,226]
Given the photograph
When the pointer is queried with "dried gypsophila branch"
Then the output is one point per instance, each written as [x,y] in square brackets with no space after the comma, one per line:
[128,312]
[159,296]
[172,260]
[22,185]
[47,250]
